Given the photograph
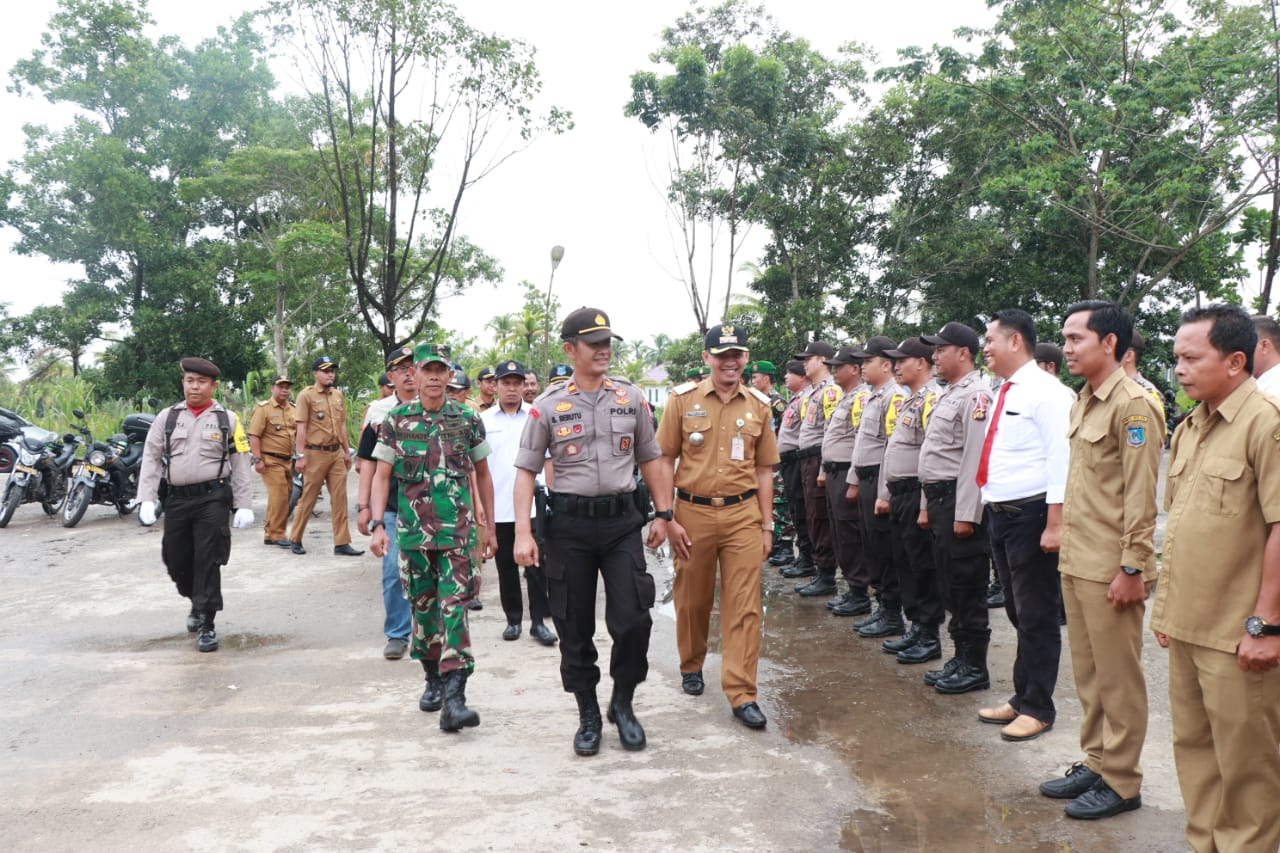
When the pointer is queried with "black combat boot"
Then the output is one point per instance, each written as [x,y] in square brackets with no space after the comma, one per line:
[193,620]
[207,639]
[972,672]
[803,567]
[586,741]
[782,554]
[823,584]
[926,648]
[630,732]
[889,624]
[432,697]
[456,715]
[906,641]
[933,676]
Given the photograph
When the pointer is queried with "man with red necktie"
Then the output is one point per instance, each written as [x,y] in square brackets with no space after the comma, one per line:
[1023,476]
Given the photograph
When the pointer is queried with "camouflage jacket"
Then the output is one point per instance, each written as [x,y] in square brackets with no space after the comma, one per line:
[432,455]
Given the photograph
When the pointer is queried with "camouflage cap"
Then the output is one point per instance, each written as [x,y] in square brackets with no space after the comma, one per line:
[427,353]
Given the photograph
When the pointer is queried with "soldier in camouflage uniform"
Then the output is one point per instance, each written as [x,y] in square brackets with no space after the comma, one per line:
[436,448]
[761,374]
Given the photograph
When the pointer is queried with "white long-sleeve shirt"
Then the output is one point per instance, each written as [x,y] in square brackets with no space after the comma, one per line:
[1029,454]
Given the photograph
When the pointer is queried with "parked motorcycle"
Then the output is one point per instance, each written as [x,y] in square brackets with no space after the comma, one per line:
[42,464]
[11,424]
[108,473]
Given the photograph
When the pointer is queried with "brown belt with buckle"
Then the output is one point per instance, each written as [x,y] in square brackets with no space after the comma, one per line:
[700,501]
[325,447]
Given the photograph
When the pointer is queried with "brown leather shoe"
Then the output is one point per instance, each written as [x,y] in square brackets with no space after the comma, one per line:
[1025,728]
[998,716]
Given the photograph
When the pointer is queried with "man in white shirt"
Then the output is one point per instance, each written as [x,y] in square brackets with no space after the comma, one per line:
[503,425]
[1266,356]
[1023,475]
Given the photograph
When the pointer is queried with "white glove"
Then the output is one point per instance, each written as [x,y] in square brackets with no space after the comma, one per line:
[147,513]
[243,518]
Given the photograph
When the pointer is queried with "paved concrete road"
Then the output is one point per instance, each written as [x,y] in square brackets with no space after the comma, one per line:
[297,735]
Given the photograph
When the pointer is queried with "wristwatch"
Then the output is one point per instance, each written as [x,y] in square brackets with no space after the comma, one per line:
[375,524]
[254,460]
[1130,570]
[1254,626]
[664,514]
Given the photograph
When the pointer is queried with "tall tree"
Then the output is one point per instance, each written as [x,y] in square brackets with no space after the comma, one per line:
[375,63]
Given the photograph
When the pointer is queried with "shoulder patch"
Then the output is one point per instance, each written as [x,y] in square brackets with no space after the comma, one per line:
[685,388]
[760,395]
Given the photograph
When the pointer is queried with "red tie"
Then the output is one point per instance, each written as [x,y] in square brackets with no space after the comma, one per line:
[991,435]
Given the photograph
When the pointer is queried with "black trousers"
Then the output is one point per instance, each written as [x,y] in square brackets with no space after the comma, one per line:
[579,550]
[815,507]
[963,566]
[846,532]
[913,557]
[509,579]
[1032,577]
[197,544]
[877,545]
[794,488]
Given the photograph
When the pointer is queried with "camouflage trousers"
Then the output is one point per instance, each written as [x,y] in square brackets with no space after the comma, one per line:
[438,585]
[783,528]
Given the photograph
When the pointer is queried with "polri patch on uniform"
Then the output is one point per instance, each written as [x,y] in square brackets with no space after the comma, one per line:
[564,407]
[624,443]
[979,407]
[564,432]
[1135,436]
[621,400]
[571,450]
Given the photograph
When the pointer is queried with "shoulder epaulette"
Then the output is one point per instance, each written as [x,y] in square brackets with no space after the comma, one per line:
[685,388]
[263,403]
[761,396]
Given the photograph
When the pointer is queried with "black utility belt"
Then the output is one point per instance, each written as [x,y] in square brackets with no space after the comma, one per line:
[901,487]
[195,490]
[700,501]
[1015,507]
[788,456]
[866,472]
[284,456]
[329,448]
[602,507]
[835,467]
[943,489]
[806,452]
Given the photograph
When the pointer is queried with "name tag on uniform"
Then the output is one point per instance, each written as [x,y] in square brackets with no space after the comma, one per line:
[737,449]
[697,413]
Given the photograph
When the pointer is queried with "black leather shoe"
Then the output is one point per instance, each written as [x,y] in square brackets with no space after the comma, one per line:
[854,604]
[475,604]
[995,596]
[193,621]
[1100,801]
[284,543]
[296,547]
[933,676]
[1077,780]
[872,615]
[346,551]
[799,570]
[620,713]
[926,648]
[889,624]
[691,683]
[906,641]
[821,585]
[511,632]
[542,634]
[750,715]
[838,600]
[967,677]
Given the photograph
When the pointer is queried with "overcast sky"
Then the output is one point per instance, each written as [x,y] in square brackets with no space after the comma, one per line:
[595,190]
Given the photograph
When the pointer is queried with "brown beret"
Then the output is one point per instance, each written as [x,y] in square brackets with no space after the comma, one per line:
[202,366]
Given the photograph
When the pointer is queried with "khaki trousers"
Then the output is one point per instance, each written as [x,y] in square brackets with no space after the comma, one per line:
[325,468]
[1106,657]
[278,481]
[732,537]
[1226,744]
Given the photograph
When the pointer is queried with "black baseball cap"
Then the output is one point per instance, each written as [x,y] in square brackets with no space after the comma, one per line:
[384,380]
[725,337]
[283,380]
[486,373]
[795,366]
[458,381]
[955,334]
[399,355]
[510,368]
[877,345]
[559,373]
[323,362]
[846,355]
[911,348]
[589,324]
[821,348]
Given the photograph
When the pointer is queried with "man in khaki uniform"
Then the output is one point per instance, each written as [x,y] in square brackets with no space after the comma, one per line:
[200,450]
[722,434]
[1107,559]
[1217,606]
[271,436]
[323,455]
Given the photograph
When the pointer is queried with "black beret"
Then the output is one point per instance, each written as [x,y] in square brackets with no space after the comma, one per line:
[203,366]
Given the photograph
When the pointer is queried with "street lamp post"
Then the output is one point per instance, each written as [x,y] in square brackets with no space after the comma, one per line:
[557,254]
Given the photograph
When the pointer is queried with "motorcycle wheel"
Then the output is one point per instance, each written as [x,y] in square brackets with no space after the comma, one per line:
[7,459]
[55,496]
[76,503]
[12,497]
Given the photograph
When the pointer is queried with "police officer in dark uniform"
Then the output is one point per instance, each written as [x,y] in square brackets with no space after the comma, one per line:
[596,429]
[209,492]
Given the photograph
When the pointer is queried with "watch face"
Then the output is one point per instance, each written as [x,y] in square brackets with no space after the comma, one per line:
[1253,626]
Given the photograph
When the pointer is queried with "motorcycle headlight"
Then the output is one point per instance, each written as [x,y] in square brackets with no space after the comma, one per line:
[98,458]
